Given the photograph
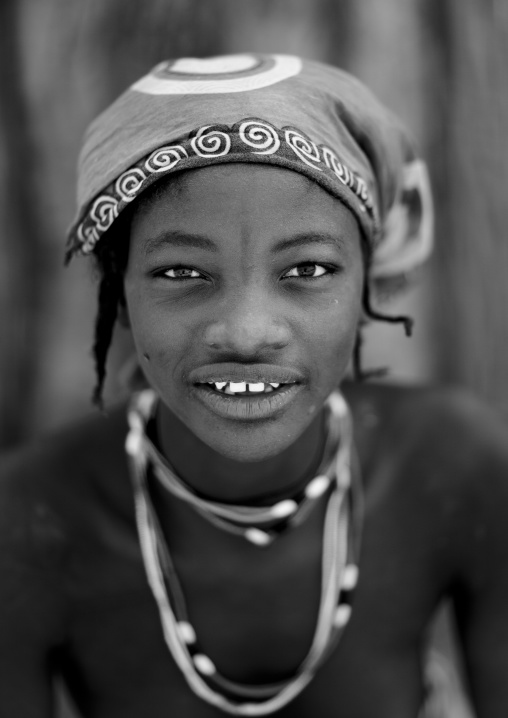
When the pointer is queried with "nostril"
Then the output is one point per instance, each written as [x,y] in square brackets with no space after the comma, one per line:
[249,337]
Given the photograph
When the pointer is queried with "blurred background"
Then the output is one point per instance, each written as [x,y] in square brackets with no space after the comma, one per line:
[441,65]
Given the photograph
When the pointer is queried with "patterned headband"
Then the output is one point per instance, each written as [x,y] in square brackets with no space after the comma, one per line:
[272,109]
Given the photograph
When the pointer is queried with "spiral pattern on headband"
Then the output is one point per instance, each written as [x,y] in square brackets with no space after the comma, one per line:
[211,142]
[262,137]
[129,183]
[304,148]
[347,177]
[249,138]
[88,236]
[165,158]
[342,172]
[362,191]
[104,212]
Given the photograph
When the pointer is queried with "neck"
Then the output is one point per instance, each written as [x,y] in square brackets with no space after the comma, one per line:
[223,479]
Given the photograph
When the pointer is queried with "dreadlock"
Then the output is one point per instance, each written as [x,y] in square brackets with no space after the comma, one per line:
[378,316]
[359,372]
[111,258]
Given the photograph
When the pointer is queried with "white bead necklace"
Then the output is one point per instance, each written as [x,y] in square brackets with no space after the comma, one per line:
[258,524]
[339,557]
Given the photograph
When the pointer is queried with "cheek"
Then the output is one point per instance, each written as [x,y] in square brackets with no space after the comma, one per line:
[339,338]
[161,342]
[333,336]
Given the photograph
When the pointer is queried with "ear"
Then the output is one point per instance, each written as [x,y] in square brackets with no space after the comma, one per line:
[123,315]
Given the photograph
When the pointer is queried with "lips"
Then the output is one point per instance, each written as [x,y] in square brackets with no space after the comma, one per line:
[246,392]
[246,407]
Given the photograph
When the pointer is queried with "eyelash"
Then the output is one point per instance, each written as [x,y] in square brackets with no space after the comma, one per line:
[329,270]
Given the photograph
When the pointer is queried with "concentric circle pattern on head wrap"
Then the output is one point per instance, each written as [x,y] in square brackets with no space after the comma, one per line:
[272,109]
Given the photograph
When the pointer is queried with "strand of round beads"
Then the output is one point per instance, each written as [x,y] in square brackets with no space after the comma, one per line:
[260,525]
[339,576]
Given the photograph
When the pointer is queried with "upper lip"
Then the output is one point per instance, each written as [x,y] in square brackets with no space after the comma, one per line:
[248,373]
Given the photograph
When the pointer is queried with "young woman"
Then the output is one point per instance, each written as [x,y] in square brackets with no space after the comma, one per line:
[252,534]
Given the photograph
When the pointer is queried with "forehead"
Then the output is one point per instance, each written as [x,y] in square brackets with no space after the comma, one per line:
[261,199]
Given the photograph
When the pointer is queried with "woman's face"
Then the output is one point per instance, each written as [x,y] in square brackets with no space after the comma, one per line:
[242,277]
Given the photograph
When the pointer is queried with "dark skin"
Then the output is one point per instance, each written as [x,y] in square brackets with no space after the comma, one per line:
[73,593]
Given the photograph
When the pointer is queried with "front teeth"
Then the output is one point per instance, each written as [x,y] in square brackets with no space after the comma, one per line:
[240,387]
[255,388]
[237,387]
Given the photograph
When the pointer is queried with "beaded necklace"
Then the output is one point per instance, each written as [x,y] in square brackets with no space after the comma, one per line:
[260,526]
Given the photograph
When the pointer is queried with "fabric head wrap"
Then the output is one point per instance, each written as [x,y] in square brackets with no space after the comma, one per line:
[273,109]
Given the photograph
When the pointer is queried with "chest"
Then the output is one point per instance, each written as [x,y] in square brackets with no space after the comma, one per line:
[254,612]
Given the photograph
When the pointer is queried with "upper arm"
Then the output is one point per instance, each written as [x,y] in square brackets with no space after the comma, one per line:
[481,587]
[25,651]
[30,600]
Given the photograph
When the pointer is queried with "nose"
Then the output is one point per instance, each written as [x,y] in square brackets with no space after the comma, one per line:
[248,326]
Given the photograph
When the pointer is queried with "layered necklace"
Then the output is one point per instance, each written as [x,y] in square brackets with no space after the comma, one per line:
[261,526]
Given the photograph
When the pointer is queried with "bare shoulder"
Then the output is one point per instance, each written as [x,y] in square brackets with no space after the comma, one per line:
[48,486]
[48,507]
[454,430]
[57,494]
[441,456]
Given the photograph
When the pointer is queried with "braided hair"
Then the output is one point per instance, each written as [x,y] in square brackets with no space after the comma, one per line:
[111,255]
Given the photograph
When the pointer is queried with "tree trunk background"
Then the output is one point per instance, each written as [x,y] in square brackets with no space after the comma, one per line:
[22,240]
[471,181]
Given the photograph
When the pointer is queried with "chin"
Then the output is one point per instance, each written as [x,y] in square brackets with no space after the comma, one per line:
[250,443]
[243,452]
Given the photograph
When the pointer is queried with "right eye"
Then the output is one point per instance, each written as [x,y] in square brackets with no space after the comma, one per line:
[179,273]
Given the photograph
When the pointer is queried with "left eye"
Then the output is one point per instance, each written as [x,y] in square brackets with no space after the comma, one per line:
[308,270]
[181,273]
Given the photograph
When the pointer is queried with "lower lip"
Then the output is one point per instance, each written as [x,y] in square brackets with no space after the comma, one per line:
[247,408]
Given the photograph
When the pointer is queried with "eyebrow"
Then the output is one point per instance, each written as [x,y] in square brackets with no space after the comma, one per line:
[174,238]
[305,238]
